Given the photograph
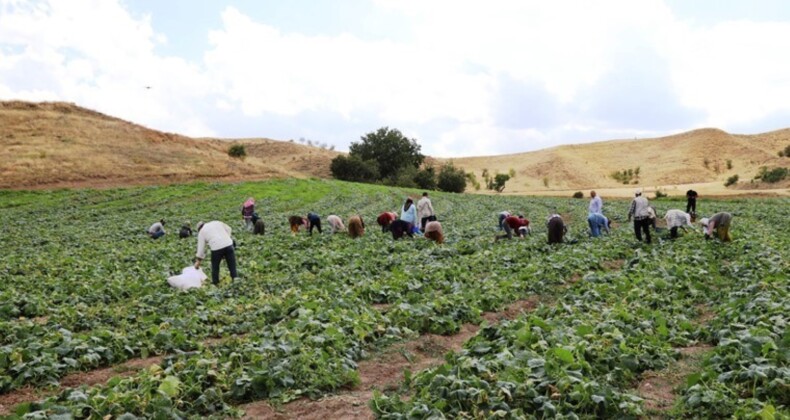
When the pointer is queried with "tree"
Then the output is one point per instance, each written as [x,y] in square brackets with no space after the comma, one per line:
[237,151]
[426,178]
[452,179]
[351,168]
[498,182]
[390,149]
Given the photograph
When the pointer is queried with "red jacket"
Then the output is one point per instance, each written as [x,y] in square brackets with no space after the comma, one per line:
[386,218]
[516,222]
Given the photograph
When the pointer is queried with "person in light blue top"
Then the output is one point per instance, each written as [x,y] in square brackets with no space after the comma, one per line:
[597,222]
[409,214]
[596,204]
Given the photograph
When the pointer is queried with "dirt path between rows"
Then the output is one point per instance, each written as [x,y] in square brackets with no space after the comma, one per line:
[73,380]
[383,372]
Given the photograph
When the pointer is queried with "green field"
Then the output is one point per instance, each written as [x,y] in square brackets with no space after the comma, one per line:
[83,287]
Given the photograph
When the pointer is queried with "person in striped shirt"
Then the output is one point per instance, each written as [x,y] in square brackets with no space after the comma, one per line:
[677,219]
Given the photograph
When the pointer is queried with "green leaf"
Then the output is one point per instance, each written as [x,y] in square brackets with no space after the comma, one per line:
[564,355]
[768,412]
[170,386]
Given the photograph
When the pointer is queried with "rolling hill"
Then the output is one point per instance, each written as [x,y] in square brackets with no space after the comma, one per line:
[55,144]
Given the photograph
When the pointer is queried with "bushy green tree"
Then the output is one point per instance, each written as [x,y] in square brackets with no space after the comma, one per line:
[498,183]
[426,178]
[352,168]
[237,151]
[390,149]
[452,179]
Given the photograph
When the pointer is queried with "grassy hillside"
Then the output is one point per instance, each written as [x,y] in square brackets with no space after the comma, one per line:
[59,144]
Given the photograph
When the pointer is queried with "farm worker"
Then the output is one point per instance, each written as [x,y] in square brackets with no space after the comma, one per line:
[557,228]
[691,203]
[314,221]
[640,212]
[247,211]
[598,222]
[335,223]
[425,211]
[720,222]
[385,219]
[259,228]
[296,222]
[217,235]
[677,219]
[157,230]
[409,214]
[513,223]
[186,231]
[596,204]
[433,231]
[401,227]
[356,226]
[502,216]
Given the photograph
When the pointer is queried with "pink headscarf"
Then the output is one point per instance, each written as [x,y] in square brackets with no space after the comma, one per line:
[249,203]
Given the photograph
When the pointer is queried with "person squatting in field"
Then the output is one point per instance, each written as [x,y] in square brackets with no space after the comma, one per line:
[677,219]
[401,227]
[433,231]
[640,212]
[720,222]
[356,226]
[557,229]
[217,235]
[185,231]
[247,210]
[408,214]
[425,211]
[512,223]
[296,222]
[385,219]
[598,222]
[335,223]
[157,230]
[258,226]
[314,221]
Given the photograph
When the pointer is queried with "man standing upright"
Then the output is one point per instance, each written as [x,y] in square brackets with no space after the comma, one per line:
[425,211]
[596,204]
[640,212]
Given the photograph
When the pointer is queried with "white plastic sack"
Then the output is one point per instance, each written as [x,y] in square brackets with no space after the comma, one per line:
[190,277]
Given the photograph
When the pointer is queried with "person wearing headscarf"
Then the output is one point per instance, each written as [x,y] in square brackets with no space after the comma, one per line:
[247,210]
[557,229]
[677,219]
[400,227]
[433,231]
[511,224]
[385,219]
[356,226]
[408,214]
[295,222]
[720,223]
[335,223]
[425,211]
[186,231]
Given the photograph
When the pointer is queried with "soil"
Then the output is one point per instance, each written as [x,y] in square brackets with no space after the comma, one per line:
[613,265]
[658,388]
[383,372]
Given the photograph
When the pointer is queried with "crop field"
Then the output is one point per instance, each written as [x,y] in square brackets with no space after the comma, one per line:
[598,325]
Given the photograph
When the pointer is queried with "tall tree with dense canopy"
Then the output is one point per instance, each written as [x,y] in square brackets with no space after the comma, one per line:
[390,149]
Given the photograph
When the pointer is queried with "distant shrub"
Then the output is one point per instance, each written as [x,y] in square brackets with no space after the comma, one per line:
[237,151]
[426,178]
[729,163]
[731,180]
[546,182]
[352,168]
[578,194]
[627,176]
[772,175]
[785,152]
[660,194]
[452,179]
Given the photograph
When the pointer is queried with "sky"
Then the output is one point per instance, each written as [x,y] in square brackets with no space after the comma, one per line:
[462,77]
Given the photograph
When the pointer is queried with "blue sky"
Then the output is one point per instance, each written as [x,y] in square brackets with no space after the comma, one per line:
[462,77]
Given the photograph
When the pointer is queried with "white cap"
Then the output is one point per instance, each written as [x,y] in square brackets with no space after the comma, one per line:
[704,221]
[638,191]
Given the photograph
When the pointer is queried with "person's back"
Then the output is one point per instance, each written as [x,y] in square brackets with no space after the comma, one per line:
[400,227]
[185,232]
[556,229]
[259,227]
[598,223]
[433,231]
[385,219]
[356,227]
[157,230]
[335,223]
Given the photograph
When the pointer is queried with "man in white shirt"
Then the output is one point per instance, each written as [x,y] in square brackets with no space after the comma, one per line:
[640,212]
[157,230]
[217,235]
[425,211]
[596,204]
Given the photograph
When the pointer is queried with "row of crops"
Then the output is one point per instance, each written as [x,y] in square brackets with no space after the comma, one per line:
[83,287]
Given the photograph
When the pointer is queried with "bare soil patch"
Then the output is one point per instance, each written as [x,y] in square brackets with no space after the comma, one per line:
[658,387]
[383,371]
[613,265]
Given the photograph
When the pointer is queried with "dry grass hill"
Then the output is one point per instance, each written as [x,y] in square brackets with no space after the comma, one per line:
[61,145]
[47,145]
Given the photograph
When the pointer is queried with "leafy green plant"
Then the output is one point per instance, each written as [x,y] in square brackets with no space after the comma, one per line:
[237,151]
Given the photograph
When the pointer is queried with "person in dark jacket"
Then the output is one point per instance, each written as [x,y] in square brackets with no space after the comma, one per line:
[186,231]
[400,228]
[314,221]
[691,203]
[557,229]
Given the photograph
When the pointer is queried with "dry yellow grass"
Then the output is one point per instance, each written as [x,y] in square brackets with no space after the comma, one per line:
[60,144]
[47,145]
[673,164]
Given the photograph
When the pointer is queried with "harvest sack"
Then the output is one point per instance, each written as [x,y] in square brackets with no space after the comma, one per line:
[190,277]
